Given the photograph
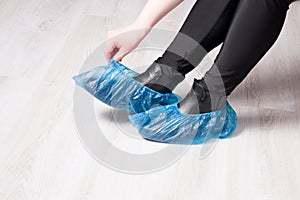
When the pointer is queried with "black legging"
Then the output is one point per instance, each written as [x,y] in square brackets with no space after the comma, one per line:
[247,29]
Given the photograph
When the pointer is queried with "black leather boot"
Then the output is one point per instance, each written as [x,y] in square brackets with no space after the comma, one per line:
[200,100]
[160,78]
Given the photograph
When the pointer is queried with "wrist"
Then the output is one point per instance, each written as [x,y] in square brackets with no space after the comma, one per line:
[142,29]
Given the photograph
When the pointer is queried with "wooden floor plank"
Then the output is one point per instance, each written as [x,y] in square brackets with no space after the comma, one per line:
[44,43]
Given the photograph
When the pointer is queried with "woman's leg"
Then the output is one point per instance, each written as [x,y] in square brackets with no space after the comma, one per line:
[204,29]
[254,29]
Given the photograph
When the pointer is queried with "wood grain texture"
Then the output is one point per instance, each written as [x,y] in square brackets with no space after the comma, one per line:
[44,43]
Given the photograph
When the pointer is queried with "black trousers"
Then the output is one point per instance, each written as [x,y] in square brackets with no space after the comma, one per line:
[247,29]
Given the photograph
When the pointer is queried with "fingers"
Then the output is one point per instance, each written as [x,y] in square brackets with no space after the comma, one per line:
[110,51]
[111,47]
[110,54]
[115,52]
[116,47]
[121,54]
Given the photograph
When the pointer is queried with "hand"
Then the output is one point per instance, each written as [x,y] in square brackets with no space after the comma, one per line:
[121,42]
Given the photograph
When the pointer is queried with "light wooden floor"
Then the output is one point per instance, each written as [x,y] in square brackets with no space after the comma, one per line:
[43,43]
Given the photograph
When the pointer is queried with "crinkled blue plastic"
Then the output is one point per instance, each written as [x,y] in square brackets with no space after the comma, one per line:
[113,84]
[167,124]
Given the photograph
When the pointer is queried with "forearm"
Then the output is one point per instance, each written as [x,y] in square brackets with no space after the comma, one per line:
[154,11]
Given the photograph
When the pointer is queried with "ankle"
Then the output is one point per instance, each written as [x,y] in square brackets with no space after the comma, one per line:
[201,100]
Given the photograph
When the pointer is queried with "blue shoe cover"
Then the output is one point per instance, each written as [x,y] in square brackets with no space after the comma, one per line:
[167,124]
[113,85]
